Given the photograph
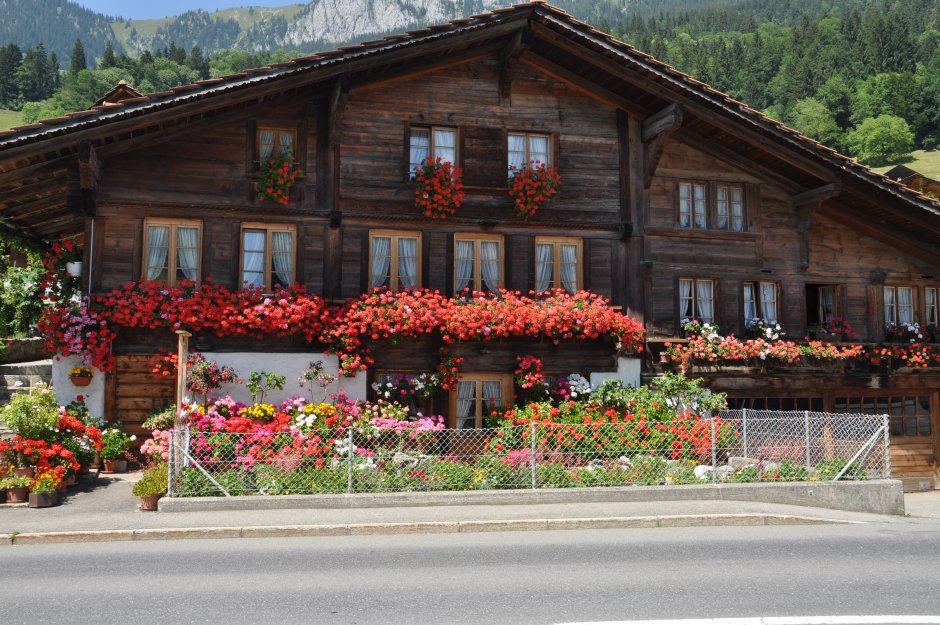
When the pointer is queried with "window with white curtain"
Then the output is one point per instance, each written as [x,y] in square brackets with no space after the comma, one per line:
[171,250]
[267,255]
[476,395]
[524,148]
[931,306]
[697,299]
[434,141]
[899,304]
[478,262]
[558,263]
[729,207]
[722,208]
[760,301]
[394,259]
[692,209]
[273,141]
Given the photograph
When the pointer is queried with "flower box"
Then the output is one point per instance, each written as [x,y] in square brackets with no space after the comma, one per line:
[80,380]
[43,500]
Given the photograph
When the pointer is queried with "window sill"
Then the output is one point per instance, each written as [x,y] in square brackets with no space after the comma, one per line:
[703,234]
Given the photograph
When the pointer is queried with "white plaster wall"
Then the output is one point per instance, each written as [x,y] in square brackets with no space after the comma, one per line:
[628,372]
[290,365]
[66,392]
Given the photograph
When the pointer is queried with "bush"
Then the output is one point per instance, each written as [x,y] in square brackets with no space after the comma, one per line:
[153,481]
[161,419]
[828,469]
[32,414]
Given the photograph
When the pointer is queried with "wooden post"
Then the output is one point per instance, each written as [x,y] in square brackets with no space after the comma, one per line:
[182,357]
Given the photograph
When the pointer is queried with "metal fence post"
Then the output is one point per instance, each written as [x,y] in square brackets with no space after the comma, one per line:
[171,461]
[532,454]
[349,460]
[887,443]
[806,430]
[744,429]
[714,451]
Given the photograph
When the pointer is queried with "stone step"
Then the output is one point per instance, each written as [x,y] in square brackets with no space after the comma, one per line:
[22,375]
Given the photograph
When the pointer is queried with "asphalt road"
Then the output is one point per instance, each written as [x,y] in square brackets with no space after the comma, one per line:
[519,577]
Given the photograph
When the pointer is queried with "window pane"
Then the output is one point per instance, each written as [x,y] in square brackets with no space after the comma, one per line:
[701,221]
[445,145]
[265,144]
[723,208]
[466,404]
[420,147]
[285,142]
[544,266]
[569,267]
[704,300]
[538,149]
[827,307]
[750,302]
[905,304]
[890,316]
[380,272]
[685,299]
[516,151]
[930,300]
[407,262]
[685,205]
[768,301]
[492,396]
[253,257]
[463,260]
[489,265]
[282,256]
[158,248]
[737,209]
[187,253]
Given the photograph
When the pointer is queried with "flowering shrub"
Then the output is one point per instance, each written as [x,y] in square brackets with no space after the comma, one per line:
[694,327]
[531,185]
[838,325]
[904,332]
[917,355]
[56,284]
[731,349]
[276,177]
[205,376]
[83,332]
[529,373]
[763,329]
[438,188]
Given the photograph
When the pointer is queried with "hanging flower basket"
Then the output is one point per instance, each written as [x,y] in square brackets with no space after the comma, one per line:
[276,178]
[81,376]
[532,185]
[438,188]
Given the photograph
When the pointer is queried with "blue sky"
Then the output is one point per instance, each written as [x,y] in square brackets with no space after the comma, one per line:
[144,9]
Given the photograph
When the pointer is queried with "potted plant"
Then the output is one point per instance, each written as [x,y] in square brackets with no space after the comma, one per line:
[438,188]
[43,491]
[81,376]
[531,185]
[151,486]
[17,488]
[114,443]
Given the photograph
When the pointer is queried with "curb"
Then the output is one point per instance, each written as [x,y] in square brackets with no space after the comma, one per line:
[426,527]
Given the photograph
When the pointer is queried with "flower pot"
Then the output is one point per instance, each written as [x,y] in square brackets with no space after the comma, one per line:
[17,495]
[80,380]
[24,472]
[74,269]
[122,466]
[148,503]
[110,465]
[43,500]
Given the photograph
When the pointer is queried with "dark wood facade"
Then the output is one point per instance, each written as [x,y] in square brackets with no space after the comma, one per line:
[628,134]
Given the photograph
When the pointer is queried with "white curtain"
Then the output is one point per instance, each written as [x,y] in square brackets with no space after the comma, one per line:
[516,151]
[685,205]
[464,263]
[538,149]
[266,149]
[286,142]
[445,145]
[737,209]
[282,256]
[704,296]
[723,207]
[685,299]
[187,252]
[466,405]
[930,301]
[544,263]
[569,268]
[381,261]
[768,301]
[253,258]
[750,302]
[890,312]
[492,396]
[489,261]
[905,305]
[420,148]
[158,247]
[827,306]
[407,262]
[701,221]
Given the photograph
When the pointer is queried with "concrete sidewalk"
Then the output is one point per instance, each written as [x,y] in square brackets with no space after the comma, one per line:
[108,511]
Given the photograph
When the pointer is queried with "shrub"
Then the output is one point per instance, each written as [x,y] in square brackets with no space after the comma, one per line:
[32,414]
[828,469]
[153,481]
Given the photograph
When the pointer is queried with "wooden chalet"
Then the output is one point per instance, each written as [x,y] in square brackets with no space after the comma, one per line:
[675,201]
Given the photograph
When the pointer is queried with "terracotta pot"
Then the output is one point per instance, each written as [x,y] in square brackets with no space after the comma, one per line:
[148,503]
[24,472]
[110,465]
[80,380]
[43,500]
[17,495]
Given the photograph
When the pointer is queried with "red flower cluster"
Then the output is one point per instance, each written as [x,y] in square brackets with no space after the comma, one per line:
[438,188]
[918,355]
[531,185]
[83,332]
[276,177]
[529,374]
[731,349]
[56,283]
[39,453]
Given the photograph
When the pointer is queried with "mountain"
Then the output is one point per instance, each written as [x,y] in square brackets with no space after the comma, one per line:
[55,23]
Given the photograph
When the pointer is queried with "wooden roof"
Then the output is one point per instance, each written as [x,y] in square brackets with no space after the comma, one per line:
[48,169]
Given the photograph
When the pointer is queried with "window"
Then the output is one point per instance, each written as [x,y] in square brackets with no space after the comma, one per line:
[760,301]
[697,299]
[476,395]
[267,255]
[557,263]
[172,250]
[524,148]
[899,304]
[725,210]
[478,262]
[275,141]
[931,306]
[820,303]
[394,259]
[434,142]
[908,415]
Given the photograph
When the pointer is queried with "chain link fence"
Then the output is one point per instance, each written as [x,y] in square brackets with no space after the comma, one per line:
[734,446]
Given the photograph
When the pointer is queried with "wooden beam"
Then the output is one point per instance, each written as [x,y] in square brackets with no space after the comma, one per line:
[915,247]
[577,82]
[88,166]
[818,195]
[36,170]
[508,53]
[666,120]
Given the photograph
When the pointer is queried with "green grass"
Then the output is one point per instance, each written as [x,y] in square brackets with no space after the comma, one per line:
[8,119]
[921,161]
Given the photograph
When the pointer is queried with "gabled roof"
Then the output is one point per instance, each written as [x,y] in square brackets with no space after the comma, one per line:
[550,39]
[900,172]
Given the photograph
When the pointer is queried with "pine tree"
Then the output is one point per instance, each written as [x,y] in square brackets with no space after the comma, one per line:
[77,62]
[108,59]
[11,57]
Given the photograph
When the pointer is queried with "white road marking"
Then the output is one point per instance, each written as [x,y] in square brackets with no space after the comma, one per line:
[871,619]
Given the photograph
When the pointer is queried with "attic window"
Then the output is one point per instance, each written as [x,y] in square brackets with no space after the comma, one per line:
[275,141]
